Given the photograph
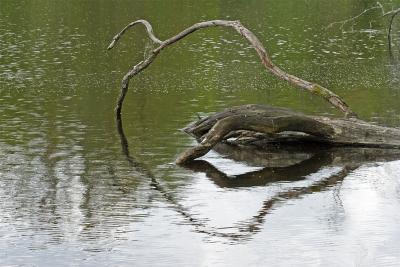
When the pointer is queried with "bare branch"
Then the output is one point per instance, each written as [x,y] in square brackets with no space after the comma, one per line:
[393,12]
[314,88]
[389,34]
[378,5]
[148,28]
[352,19]
[247,228]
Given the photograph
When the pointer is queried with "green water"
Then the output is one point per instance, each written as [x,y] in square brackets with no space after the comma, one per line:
[71,194]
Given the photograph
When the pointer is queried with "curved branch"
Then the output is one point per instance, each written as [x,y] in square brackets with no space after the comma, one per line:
[389,35]
[244,229]
[148,28]
[314,88]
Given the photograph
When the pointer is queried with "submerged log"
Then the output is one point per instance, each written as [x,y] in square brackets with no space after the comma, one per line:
[266,124]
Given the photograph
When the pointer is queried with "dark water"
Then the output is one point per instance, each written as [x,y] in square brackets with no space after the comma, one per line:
[75,191]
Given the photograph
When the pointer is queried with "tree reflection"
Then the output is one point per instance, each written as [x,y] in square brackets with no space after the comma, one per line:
[304,160]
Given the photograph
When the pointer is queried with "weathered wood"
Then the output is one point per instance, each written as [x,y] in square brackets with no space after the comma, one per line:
[314,88]
[281,163]
[273,121]
[264,123]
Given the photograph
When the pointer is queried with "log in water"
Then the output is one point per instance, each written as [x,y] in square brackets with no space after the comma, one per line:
[261,124]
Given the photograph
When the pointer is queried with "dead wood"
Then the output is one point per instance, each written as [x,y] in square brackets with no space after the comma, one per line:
[343,23]
[281,163]
[314,88]
[264,123]
[279,125]
[378,6]
[392,14]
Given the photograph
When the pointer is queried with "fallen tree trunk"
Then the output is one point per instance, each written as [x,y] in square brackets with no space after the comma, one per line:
[280,162]
[267,124]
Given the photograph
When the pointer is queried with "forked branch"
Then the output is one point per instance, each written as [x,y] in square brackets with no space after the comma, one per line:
[392,14]
[314,88]
[353,19]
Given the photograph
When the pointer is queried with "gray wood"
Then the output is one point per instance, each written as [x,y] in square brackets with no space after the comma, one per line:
[275,124]
[266,61]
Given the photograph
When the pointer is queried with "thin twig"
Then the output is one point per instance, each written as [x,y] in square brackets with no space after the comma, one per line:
[344,22]
[391,13]
[148,28]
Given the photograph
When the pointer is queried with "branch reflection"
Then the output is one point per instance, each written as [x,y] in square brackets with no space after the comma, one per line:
[283,163]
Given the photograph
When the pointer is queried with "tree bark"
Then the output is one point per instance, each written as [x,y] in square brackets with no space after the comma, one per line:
[273,124]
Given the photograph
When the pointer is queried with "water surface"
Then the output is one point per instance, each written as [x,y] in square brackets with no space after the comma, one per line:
[76,191]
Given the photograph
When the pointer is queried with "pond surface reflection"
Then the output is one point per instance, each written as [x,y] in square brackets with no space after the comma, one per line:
[78,188]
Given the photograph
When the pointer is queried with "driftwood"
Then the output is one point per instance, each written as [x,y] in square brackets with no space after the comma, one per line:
[280,162]
[314,88]
[255,122]
[266,124]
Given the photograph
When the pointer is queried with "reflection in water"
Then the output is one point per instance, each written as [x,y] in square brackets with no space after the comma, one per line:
[41,168]
[348,159]
[261,177]
[68,196]
[394,54]
[321,158]
[154,183]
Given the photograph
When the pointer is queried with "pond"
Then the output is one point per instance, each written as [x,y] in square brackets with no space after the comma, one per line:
[76,190]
